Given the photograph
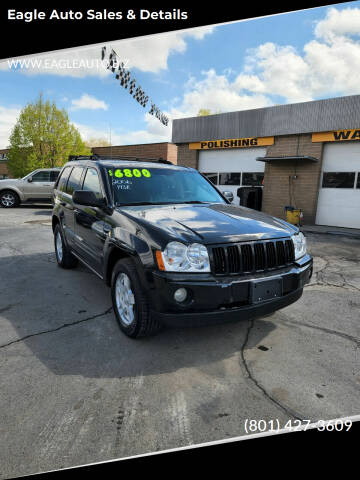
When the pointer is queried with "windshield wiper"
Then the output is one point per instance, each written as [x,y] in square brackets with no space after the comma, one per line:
[159,203]
[193,201]
[132,204]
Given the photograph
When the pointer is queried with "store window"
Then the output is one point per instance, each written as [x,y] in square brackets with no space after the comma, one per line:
[252,179]
[213,177]
[338,180]
[229,178]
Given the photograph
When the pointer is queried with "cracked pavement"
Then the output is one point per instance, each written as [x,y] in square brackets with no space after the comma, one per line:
[75,390]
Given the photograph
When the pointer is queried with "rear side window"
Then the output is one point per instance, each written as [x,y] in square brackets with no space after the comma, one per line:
[61,184]
[74,180]
[92,182]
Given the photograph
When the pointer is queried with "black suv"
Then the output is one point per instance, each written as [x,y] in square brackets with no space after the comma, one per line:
[171,246]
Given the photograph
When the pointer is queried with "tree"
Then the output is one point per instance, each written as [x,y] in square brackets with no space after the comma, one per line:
[42,137]
[203,112]
[97,142]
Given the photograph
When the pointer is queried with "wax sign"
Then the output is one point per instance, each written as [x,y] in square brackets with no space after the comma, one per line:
[337,136]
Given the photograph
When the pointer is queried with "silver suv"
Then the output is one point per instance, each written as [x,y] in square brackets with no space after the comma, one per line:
[35,187]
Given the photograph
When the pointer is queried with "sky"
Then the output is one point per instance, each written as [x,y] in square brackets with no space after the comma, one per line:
[289,58]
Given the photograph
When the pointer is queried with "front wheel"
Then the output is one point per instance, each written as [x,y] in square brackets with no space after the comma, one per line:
[9,199]
[64,257]
[130,303]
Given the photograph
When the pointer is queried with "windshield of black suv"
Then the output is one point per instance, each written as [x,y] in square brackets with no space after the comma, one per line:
[139,186]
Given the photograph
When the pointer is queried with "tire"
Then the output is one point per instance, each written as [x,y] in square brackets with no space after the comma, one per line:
[9,199]
[130,302]
[64,258]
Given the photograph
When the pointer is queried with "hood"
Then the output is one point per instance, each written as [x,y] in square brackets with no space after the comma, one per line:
[10,181]
[210,223]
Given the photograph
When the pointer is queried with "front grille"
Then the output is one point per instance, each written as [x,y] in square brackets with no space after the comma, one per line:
[252,257]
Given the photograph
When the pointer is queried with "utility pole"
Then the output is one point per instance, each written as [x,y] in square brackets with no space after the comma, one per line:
[110,140]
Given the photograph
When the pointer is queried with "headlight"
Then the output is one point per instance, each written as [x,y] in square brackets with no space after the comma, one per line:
[299,245]
[178,257]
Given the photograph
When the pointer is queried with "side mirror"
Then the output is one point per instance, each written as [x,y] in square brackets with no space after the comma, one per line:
[84,197]
[29,179]
[228,195]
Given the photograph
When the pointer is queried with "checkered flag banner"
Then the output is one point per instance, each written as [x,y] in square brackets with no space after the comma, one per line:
[129,83]
[111,62]
[154,110]
[140,96]
[132,86]
[123,75]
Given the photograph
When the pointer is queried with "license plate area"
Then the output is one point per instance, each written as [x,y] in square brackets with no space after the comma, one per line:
[263,289]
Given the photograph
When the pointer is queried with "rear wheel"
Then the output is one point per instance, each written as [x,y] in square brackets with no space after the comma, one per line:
[64,257]
[9,199]
[130,303]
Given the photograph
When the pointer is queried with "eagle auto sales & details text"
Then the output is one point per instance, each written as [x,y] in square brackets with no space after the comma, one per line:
[29,16]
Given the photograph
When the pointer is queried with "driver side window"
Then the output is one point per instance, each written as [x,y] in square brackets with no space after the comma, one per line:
[43,176]
[92,182]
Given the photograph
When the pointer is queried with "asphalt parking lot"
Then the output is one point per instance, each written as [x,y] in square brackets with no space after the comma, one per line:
[75,390]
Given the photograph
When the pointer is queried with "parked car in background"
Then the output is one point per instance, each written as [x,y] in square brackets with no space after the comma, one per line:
[36,187]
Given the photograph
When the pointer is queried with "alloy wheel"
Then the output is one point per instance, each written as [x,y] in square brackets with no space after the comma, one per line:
[59,247]
[125,299]
[8,199]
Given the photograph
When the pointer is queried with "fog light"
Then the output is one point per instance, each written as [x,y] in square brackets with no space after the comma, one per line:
[180,294]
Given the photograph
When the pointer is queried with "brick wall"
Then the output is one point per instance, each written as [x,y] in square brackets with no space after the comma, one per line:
[3,166]
[304,188]
[167,151]
[187,157]
[172,153]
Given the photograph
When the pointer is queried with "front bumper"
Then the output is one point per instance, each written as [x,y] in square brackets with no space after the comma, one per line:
[215,299]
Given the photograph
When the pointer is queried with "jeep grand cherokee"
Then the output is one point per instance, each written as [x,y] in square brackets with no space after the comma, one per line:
[171,246]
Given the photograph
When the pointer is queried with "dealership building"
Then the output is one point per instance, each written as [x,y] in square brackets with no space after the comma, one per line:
[164,150]
[303,155]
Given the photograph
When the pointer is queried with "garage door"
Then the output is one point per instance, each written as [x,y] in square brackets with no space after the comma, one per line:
[339,193]
[230,169]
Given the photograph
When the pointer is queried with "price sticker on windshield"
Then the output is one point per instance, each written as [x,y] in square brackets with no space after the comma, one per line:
[129,173]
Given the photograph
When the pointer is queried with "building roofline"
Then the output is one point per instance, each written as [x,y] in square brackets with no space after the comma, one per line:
[134,145]
[303,117]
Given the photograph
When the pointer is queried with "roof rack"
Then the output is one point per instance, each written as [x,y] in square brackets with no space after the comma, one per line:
[167,162]
[73,158]
[95,157]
